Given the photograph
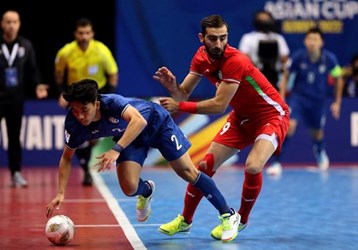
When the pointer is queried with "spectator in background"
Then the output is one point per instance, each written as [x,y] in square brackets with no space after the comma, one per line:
[19,79]
[311,69]
[351,78]
[82,58]
[266,48]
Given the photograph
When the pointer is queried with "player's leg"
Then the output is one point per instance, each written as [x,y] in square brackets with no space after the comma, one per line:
[217,154]
[83,154]
[268,140]
[174,146]
[315,119]
[185,168]
[261,151]
[276,168]
[319,148]
[316,127]
[214,158]
[257,158]
[129,166]
[296,110]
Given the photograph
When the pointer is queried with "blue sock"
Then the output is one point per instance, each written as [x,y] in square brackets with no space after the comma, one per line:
[208,187]
[318,145]
[144,189]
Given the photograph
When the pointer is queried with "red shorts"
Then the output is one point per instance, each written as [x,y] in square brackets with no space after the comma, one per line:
[241,133]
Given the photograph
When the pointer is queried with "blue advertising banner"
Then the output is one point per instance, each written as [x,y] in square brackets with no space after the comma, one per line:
[43,128]
[41,134]
[151,34]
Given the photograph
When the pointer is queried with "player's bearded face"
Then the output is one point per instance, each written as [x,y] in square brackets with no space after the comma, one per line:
[83,36]
[215,42]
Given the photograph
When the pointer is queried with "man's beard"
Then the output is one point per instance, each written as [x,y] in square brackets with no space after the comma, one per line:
[83,43]
[215,53]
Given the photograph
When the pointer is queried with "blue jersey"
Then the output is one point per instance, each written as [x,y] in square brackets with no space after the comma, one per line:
[311,78]
[161,131]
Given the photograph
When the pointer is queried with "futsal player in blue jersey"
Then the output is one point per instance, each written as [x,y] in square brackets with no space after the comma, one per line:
[135,125]
[316,76]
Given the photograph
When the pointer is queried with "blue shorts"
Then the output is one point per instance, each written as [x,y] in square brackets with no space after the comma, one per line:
[312,112]
[161,133]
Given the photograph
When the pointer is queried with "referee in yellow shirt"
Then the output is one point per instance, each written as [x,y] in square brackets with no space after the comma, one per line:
[82,58]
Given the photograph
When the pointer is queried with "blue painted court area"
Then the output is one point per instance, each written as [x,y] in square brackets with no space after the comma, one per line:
[303,209]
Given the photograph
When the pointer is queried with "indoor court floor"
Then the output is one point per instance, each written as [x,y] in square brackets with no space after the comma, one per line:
[302,209]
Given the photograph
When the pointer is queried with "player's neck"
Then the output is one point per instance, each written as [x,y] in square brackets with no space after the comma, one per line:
[98,116]
[9,38]
[314,57]
[84,47]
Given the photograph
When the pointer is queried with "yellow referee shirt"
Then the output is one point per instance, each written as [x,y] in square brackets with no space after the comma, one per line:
[94,63]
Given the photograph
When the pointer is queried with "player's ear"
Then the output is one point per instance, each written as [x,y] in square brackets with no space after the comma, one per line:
[201,37]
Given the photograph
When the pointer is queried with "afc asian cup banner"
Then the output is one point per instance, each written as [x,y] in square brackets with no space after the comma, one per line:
[155,33]
[338,20]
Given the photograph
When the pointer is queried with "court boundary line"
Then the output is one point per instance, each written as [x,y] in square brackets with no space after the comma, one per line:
[118,213]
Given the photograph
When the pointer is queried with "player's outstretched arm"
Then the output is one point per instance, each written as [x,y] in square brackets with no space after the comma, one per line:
[336,105]
[54,203]
[216,105]
[136,124]
[180,92]
[167,79]
[63,176]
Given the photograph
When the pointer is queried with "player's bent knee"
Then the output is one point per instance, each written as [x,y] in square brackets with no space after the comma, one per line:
[188,174]
[207,165]
[129,190]
[253,168]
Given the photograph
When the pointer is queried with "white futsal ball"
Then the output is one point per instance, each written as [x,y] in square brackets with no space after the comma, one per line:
[60,230]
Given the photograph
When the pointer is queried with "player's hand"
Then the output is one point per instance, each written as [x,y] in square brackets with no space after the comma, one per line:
[166,78]
[106,160]
[55,203]
[169,104]
[336,110]
[42,91]
[62,102]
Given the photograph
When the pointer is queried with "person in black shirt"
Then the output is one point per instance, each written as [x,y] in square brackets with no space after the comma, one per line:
[19,79]
[351,78]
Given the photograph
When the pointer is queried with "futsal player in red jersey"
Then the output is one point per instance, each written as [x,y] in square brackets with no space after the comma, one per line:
[259,116]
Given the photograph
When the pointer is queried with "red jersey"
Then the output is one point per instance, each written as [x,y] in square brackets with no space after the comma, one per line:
[255,98]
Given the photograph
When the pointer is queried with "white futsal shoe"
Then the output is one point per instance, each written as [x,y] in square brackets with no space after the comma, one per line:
[143,207]
[322,160]
[274,169]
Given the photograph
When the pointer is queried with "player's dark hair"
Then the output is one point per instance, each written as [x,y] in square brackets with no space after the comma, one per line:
[83,22]
[213,21]
[84,91]
[315,30]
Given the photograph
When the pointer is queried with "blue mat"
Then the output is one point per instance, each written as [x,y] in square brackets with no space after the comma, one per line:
[303,209]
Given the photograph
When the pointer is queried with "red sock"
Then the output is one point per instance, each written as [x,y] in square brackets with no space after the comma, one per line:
[191,202]
[250,191]
[194,195]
